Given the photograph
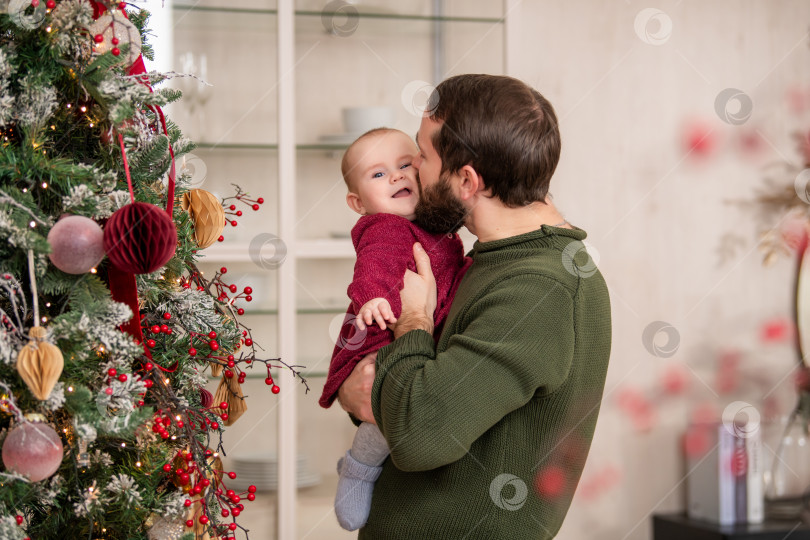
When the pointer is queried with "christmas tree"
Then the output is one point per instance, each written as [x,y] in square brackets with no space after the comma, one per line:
[109,331]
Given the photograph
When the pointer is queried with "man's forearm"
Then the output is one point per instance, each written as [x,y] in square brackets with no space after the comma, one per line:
[408,322]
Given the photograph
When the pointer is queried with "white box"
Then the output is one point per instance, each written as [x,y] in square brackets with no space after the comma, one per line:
[724,469]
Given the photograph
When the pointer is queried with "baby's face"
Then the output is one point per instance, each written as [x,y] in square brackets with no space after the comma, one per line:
[382,176]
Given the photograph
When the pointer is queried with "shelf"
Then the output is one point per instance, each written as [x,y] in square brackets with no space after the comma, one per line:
[359,14]
[231,252]
[270,146]
[325,310]
[325,248]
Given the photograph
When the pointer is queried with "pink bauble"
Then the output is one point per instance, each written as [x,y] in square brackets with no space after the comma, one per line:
[77,244]
[33,449]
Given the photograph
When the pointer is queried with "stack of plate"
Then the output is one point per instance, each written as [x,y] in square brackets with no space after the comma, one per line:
[261,470]
[339,139]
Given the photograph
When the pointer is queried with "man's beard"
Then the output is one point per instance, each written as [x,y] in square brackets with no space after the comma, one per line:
[438,210]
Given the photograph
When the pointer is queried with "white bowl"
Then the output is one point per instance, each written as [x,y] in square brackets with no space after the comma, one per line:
[362,119]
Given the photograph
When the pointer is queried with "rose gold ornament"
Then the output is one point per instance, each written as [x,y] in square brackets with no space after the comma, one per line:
[77,244]
[33,449]
[208,215]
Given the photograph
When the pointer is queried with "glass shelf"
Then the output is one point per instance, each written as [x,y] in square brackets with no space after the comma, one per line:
[359,14]
[256,374]
[326,310]
[323,248]
[268,146]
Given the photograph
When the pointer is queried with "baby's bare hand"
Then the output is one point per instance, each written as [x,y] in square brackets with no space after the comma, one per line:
[378,311]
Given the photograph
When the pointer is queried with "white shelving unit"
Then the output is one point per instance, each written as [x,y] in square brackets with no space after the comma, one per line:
[280,80]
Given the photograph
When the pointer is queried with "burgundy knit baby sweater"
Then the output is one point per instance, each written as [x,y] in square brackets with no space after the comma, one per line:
[384,247]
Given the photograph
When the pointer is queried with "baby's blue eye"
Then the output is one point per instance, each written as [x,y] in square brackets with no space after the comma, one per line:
[405,166]
[377,175]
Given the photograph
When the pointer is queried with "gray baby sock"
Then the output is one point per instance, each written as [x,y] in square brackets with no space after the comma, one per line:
[358,471]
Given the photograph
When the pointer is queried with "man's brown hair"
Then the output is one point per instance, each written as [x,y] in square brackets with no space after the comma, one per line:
[503,128]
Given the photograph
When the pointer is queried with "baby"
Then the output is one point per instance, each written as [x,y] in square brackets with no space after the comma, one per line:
[384,190]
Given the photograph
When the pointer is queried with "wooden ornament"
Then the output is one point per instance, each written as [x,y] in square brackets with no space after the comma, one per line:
[40,364]
[200,530]
[216,369]
[230,391]
[208,216]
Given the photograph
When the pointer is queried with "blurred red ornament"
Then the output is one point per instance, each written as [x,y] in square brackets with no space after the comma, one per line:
[550,482]
[140,238]
[704,413]
[751,143]
[674,380]
[699,138]
[696,441]
[798,99]
[793,230]
[776,331]
[599,483]
[727,375]
[33,449]
[638,408]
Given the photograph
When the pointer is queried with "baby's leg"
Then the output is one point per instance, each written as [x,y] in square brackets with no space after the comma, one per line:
[358,470]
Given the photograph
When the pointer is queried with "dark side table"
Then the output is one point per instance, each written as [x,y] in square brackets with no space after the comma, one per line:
[680,527]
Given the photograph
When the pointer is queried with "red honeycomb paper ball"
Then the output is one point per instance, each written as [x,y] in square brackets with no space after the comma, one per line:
[140,238]
[206,398]
[33,449]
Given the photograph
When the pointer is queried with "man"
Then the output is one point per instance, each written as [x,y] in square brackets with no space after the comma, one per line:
[489,428]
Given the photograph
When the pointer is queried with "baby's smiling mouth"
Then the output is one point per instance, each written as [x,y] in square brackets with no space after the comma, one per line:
[404,192]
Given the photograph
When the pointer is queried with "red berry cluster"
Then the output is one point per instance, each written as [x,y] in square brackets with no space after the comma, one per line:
[98,38]
[164,419]
[233,369]
[223,289]
[50,4]
[243,198]
[208,340]
[269,381]
[195,479]
[19,519]
[157,330]
[230,363]
[112,374]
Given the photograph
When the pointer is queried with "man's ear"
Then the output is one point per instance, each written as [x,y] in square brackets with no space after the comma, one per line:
[354,202]
[470,182]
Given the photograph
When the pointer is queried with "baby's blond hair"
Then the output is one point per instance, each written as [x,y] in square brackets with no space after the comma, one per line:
[346,167]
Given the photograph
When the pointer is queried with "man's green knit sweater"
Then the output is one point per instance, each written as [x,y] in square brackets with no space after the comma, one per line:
[489,429]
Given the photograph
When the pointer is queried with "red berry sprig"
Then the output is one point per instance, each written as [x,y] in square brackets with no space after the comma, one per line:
[197,479]
[240,197]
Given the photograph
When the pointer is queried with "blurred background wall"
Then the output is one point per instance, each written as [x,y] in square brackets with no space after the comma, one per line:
[654,167]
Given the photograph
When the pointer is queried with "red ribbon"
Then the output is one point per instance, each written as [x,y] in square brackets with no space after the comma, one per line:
[122,284]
